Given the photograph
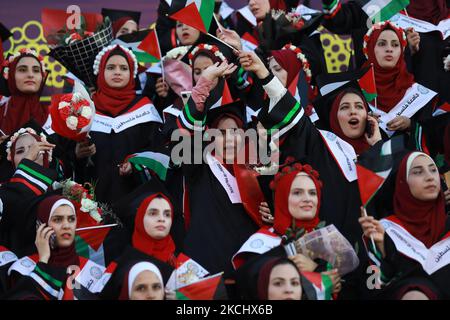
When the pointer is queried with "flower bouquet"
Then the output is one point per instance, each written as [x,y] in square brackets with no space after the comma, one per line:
[89,211]
[72,115]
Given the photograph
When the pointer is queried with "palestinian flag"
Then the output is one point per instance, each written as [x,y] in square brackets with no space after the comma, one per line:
[133,41]
[89,243]
[299,89]
[382,10]
[197,13]
[367,84]
[375,166]
[318,286]
[210,288]
[155,161]
[150,45]
[222,100]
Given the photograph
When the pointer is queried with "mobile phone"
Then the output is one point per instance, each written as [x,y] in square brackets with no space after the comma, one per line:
[369,129]
[51,240]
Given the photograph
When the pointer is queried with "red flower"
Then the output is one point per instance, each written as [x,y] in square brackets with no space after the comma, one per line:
[307,168]
[286,170]
[67,97]
[82,122]
[65,112]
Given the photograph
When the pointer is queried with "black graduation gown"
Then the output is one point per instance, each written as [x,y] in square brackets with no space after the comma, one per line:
[112,149]
[26,188]
[216,227]
[340,204]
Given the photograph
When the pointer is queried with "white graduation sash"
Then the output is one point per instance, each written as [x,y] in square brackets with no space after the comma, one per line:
[7,257]
[421,26]
[259,243]
[343,153]
[226,179]
[432,259]
[415,98]
[24,266]
[105,124]
[171,110]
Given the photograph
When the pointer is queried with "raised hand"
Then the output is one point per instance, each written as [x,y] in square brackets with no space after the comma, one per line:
[37,149]
[251,62]
[218,70]
[413,39]
[229,36]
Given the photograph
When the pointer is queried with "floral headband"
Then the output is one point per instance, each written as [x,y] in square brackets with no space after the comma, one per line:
[21,52]
[100,55]
[290,167]
[378,26]
[302,58]
[16,135]
[207,47]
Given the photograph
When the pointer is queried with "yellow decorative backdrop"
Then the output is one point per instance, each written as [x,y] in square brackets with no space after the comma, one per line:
[337,50]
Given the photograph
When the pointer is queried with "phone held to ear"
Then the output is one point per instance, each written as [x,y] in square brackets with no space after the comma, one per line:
[51,240]
[369,129]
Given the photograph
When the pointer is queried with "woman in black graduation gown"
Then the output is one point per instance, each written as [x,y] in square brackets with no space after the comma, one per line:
[123,124]
[45,274]
[30,155]
[424,59]
[298,193]
[216,221]
[299,138]
[402,240]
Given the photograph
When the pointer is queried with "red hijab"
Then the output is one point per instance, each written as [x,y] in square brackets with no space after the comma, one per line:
[282,183]
[360,144]
[264,276]
[287,59]
[60,257]
[162,249]
[22,107]
[391,83]
[425,220]
[109,100]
